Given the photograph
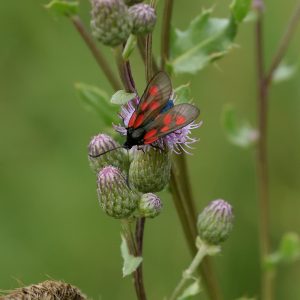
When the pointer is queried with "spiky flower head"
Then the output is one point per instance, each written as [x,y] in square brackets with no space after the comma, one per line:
[132,2]
[143,17]
[215,222]
[102,143]
[150,169]
[111,23]
[115,197]
[150,206]
[176,141]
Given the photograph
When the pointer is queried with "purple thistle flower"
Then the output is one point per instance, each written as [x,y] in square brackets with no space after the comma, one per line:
[177,141]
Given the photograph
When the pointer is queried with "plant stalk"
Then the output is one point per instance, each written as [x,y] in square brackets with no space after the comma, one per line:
[134,250]
[264,80]
[262,159]
[180,184]
[203,250]
[283,44]
[100,59]
[165,33]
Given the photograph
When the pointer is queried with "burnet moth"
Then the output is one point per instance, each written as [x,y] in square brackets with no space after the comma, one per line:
[155,115]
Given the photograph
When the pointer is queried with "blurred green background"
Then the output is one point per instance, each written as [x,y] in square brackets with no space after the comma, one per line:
[50,223]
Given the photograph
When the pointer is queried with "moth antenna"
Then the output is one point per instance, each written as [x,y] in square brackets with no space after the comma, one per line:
[94,156]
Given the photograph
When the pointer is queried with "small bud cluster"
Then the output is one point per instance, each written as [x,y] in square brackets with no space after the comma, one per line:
[113,21]
[122,179]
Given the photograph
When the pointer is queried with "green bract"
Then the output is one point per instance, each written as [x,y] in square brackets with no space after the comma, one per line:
[215,222]
[150,170]
[115,197]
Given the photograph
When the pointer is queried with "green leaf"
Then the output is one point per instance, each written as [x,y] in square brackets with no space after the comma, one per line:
[240,9]
[122,97]
[284,72]
[131,262]
[97,101]
[205,40]
[190,291]
[129,47]
[238,133]
[289,251]
[183,93]
[290,247]
[65,8]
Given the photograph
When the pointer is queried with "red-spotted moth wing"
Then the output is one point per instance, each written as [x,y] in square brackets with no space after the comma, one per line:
[154,99]
[175,118]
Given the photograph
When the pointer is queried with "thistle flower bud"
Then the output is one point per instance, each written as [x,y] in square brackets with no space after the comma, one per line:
[150,170]
[111,23]
[215,222]
[115,197]
[117,158]
[150,206]
[143,17]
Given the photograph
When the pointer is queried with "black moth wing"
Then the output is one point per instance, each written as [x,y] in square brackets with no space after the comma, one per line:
[175,118]
[153,100]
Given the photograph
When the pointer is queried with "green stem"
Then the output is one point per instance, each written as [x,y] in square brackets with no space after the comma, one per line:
[124,70]
[165,33]
[283,44]
[203,250]
[100,59]
[180,183]
[134,250]
[261,159]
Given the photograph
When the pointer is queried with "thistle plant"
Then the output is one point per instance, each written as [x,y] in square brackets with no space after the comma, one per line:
[157,127]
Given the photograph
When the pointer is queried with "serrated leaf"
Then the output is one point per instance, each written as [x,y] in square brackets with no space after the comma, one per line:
[192,290]
[121,97]
[97,101]
[65,8]
[130,262]
[284,72]
[205,40]
[238,133]
[183,93]
[240,9]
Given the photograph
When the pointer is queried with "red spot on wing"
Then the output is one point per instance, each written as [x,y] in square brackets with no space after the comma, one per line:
[167,119]
[154,105]
[132,120]
[151,133]
[139,120]
[150,140]
[165,129]
[144,106]
[153,90]
[180,120]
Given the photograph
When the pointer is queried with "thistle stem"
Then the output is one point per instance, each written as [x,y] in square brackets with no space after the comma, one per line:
[165,33]
[139,236]
[100,59]
[261,158]
[142,49]
[124,70]
[203,250]
[264,80]
[181,188]
[283,44]
[134,249]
